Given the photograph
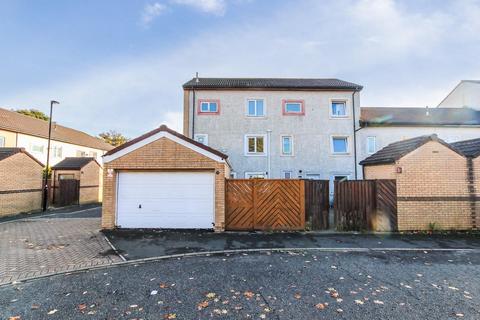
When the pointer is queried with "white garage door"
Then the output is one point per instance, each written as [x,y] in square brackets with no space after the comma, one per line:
[165,199]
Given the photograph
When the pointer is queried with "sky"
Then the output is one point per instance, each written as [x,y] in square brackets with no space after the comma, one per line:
[120,64]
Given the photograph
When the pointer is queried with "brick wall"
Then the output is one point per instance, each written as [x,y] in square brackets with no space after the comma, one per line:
[432,188]
[162,154]
[20,172]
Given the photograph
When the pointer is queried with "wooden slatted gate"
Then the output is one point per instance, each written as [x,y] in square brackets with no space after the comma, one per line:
[365,205]
[317,204]
[265,204]
[68,192]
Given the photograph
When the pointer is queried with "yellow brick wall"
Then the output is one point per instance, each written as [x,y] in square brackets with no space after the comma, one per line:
[433,172]
[162,154]
[20,172]
[382,171]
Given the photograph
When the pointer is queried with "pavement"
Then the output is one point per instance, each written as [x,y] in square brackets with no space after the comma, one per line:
[145,244]
[303,284]
[61,240]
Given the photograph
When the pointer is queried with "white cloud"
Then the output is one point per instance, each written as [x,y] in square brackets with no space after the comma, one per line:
[209,6]
[150,12]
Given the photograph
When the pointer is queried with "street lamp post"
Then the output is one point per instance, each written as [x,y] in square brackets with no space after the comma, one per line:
[45,179]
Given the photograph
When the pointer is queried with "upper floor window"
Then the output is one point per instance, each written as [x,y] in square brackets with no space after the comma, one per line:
[287,145]
[339,109]
[81,153]
[255,175]
[293,107]
[37,148]
[2,141]
[371,145]
[202,138]
[57,152]
[339,145]
[255,145]
[208,106]
[287,174]
[255,108]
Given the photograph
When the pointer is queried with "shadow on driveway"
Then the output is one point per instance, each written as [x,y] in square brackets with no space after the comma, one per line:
[137,244]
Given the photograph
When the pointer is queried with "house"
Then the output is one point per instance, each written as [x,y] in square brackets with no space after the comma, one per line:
[20,131]
[277,128]
[21,177]
[384,125]
[465,94]
[437,182]
[87,171]
[164,179]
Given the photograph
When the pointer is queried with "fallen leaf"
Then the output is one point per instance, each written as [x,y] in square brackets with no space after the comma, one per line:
[248,294]
[170,316]
[82,306]
[34,306]
[154,292]
[297,295]
[359,302]
[378,302]
[460,315]
[14,318]
[320,306]
[52,311]
[163,285]
[202,305]
[339,310]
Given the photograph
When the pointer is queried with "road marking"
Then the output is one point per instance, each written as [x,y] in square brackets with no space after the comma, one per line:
[114,249]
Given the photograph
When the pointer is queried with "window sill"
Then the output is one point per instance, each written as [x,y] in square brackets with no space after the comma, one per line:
[336,154]
[339,117]
[255,154]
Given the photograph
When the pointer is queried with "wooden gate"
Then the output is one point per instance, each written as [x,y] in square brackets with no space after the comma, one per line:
[387,202]
[264,204]
[317,204]
[68,192]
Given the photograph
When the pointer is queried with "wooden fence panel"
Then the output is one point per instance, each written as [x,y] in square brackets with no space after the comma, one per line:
[317,204]
[387,202]
[265,204]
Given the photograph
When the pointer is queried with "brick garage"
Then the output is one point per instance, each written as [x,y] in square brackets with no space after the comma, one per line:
[151,165]
[436,185]
[84,169]
[20,182]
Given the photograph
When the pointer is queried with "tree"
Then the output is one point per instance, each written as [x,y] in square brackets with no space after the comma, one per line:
[34,113]
[113,137]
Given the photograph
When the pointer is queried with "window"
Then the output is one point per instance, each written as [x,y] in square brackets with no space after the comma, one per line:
[81,153]
[255,145]
[287,174]
[340,144]
[255,175]
[293,107]
[339,109]
[94,154]
[312,176]
[255,108]
[287,145]
[37,148]
[57,152]
[202,138]
[371,145]
[233,175]
[66,176]
[208,106]
[2,141]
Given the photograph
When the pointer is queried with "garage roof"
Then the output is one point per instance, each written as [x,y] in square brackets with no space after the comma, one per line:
[470,148]
[155,134]
[8,152]
[397,150]
[73,163]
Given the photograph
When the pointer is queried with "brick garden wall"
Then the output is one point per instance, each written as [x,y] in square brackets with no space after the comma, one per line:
[20,173]
[162,154]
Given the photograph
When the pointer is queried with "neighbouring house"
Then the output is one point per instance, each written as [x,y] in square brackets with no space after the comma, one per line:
[86,172]
[21,131]
[21,182]
[164,179]
[437,185]
[277,128]
[465,94]
[384,125]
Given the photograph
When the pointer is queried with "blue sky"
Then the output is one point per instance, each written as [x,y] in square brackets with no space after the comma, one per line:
[120,64]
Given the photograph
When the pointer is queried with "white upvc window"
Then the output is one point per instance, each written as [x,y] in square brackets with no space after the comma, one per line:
[37,148]
[57,151]
[287,174]
[287,145]
[209,106]
[255,145]
[338,109]
[255,107]
[233,175]
[339,144]
[312,176]
[202,138]
[255,175]
[371,145]
[2,141]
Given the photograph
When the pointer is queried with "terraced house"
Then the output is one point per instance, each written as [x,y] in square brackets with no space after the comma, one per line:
[277,128]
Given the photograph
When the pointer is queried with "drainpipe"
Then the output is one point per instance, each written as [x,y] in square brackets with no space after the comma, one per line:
[269,157]
[193,115]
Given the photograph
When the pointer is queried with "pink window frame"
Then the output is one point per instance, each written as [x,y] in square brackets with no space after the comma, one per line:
[284,110]
[199,106]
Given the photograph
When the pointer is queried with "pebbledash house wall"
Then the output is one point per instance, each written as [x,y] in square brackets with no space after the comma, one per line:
[432,187]
[311,132]
[90,177]
[162,155]
[21,187]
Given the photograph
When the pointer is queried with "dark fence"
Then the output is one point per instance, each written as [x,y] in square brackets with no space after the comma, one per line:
[317,204]
[365,205]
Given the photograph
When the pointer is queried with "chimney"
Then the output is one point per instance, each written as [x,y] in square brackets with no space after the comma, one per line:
[426,111]
[196,78]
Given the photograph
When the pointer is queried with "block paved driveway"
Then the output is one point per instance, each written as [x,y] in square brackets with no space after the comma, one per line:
[42,245]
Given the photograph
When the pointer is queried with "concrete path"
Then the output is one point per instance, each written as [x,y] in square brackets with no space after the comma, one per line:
[268,285]
[56,242]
